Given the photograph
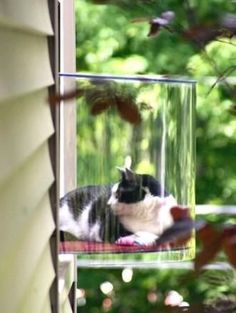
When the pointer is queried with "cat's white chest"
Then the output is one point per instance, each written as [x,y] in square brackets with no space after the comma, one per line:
[150,215]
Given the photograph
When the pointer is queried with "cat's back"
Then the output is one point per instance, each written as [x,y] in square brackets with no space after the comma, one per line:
[82,208]
[79,198]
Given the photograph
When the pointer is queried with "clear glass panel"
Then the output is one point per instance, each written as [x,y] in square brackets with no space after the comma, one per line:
[135,160]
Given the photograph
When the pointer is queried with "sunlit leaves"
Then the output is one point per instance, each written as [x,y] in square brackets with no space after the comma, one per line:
[223,54]
[215,127]
[137,63]
[233,109]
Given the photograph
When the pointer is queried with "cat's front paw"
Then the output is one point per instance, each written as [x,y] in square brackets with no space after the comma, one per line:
[126,241]
[138,239]
[144,238]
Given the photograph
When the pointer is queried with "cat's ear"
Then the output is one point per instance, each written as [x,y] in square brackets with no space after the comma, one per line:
[126,173]
[129,174]
[122,172]
[120,169]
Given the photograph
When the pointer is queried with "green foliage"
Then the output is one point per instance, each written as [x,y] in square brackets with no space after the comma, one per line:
[216,127]
[147,290]
[120,46]
[108,41]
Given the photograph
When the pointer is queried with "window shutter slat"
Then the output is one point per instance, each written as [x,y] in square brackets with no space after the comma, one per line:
[38,288]
[24,63]
[27,261]
[30,15]
[25,124]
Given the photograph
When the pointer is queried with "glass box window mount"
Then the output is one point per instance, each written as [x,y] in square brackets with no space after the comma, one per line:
[143,78]
[130,171]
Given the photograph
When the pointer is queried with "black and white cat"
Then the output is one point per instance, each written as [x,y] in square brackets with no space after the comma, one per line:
[133,211]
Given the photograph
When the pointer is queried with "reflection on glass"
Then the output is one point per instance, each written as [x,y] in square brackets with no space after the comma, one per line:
[135,160]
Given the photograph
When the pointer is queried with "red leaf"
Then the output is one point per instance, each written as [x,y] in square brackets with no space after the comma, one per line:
[128,111]
[202,34]
[157,22]
[212,241]
[229,232]
[230,251]
[178,233]
[207,234]
[179,213]
[99,107]
[154,29]
[56,98]
[229,244]
[180,242]
[160,21]
[207,255]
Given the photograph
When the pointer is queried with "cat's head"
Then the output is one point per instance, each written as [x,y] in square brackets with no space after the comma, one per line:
[133,187]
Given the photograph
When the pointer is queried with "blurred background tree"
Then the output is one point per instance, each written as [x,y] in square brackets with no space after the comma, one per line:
[110,40]
[121,37]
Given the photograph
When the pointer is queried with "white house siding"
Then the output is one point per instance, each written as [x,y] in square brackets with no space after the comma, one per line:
[26,175]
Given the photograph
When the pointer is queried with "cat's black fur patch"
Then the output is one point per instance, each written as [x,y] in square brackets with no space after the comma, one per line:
[134,187]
